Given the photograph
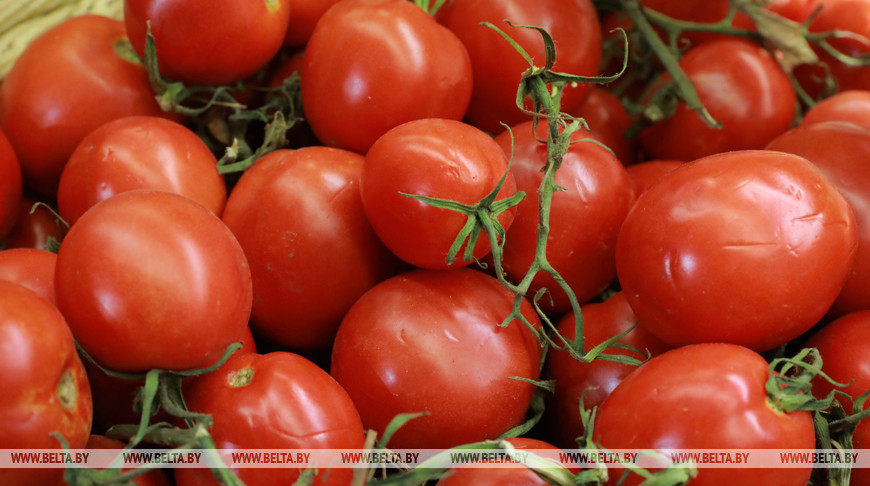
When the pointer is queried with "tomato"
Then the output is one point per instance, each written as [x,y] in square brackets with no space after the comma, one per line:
[274,401]
[439,158]
[848,106]
[45,389]
[214,42]
[851,16]
[861,440]
[647,173]
[298,215]
[305,14]
[704,396]
[371,65]
[608,121]
[596,380]
[10,186]
[33,227]
[50,94]
[502,476]
[584,219]
[497,67]
[150,279]
[745,247]
[30,267]
[840,150]
[742,87]
[844,344]
[139,152]
[155,477]
[429,341]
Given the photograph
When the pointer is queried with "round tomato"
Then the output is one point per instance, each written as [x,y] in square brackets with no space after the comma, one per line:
[438,158]
[497,67]
[299,218]
[848,106]
[31,267]
[139,152]
[645,174]
[704,396]
[10,186]
[150,279]
[844,345]
[742,87]
[371,65]
[34,226]
[214,42]
[50,94]
[851,16]
[608,121]
[45,388]
[500,475]
[274,401]
[429,341]
[745,247]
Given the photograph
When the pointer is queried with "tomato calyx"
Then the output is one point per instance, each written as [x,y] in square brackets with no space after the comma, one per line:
[789,386]
[429,6]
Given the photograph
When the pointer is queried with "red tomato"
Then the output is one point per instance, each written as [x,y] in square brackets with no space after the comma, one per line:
[742,87]
[371,65]
[209,42]
[498,67]
[844,345]
[584,219]
[305,14]
[33,227]
[746,247]
[150,279]
[438,158]
[314,230]
[848,106]
[274,401]
[592,381]
[30,267]
[50,94]
[608,121]
[502,476]
[847,16]
[139,152]
[645,174]
[841,150]
[704,396]
[861,440]
[155,477]
[429,341]
[45,388]
[10,187]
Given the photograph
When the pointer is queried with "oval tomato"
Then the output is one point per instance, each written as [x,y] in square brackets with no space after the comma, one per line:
[150,279]
[30,267]
[848,106]
[10,186]
[745,247]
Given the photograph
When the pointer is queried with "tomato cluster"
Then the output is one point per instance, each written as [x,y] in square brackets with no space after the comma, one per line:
[442,223]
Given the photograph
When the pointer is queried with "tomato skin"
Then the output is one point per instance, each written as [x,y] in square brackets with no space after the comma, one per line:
[288,403]
[314,230]
[139,152]
[497,67]
[608,121]
[33,227]
[844,344]
[199,42]
[30,267]
[429,341]
[50,94]
[501,476]
[10,186]
[647,173]
[847,16]
[861,440]
[742,87]
[704,396]
[305,14]
[848,106]
[439,158]
[354,58]
[45,388]
[150,279]
[690,251]
[584,219]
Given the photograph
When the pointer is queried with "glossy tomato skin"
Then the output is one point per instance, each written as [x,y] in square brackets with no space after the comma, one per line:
[608,121]
[844,344]
[34,226]
[499,475]
[704,396]
[10,187]
[584,219]
[31,267]
[430,341]
[371,65]
[847,106]
[747,247]
[209,42]
[498,67]
[50,94]
[596,380]
[150,279]
[45,388]
[742,87]
[298,215]
[840,150]
[139,152]
[439,158]
[274,401]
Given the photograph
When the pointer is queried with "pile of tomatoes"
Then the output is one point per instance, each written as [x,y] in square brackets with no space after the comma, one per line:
[322,224]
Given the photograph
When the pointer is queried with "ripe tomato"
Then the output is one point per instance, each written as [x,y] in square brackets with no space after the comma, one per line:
[429,341]
[497,67]
[45,388]
[584,219]
[304,16]
[846,16]
[592,381]
[139,152]
[33,227]
[274,401]
[502,476]
[608,121]
[30,267]
[645,174]
[438,158]
[371,65]
[10,186]
[848,106]
[861,440]
[314,230]
[50,94]
[745,247]
[844,344]
[704,396]
[742,87]
[155,477]
[213,42]
[150,279]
